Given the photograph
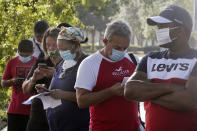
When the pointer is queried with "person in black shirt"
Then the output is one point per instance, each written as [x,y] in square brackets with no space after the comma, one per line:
[39,75]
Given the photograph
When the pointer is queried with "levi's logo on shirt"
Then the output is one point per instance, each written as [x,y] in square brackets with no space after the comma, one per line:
[120,71]
[170,68]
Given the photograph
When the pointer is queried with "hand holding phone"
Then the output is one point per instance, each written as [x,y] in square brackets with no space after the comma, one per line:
[41,88]
[18,81]
[42,65]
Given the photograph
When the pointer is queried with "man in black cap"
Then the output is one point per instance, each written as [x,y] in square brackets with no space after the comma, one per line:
[166,81]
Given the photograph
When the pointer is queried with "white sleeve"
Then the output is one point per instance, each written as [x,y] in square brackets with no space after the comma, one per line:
[86,77]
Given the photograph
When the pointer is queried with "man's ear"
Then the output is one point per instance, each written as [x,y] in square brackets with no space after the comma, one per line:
[182,33]
[105,41]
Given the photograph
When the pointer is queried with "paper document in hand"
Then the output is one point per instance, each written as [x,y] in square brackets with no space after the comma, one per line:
[125,79]
[50,102]
[28,102]
[47,101]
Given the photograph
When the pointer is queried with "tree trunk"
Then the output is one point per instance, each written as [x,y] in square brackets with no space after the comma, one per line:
[153,41]
[100,38]
[139,40]
[93,39]
[132,39]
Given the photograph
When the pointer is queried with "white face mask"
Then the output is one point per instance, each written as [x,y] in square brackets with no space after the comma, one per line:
[163,36]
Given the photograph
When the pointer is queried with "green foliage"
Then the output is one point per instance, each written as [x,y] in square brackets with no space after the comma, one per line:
[17,19]
[95,3]
[64,11]
[4,101]
[4,97]
[97,13]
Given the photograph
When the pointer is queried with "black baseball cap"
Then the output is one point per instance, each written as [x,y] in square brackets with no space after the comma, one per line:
[172,14]
[64,24]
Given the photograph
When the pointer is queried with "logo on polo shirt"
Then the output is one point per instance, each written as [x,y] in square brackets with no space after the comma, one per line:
[170,68]
[120,71]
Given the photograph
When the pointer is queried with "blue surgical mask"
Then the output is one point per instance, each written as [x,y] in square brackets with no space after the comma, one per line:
[67,55]
[117,55]
[25,59]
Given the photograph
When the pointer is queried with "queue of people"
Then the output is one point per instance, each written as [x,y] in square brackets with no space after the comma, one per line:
[91,88]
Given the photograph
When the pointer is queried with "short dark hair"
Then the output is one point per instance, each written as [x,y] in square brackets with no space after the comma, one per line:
[40,27]
[25,46]
[64,24]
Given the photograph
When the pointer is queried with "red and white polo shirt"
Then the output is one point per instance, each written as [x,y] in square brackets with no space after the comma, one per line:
[96,73]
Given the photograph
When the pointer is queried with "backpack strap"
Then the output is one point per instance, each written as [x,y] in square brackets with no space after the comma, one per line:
[132,58]
[142,123]
[38,46]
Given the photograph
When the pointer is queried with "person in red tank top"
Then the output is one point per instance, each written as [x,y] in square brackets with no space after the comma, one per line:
[166,80]
[98,84]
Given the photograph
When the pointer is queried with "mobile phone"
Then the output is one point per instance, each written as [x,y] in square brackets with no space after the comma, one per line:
[20,78]
[45,89]
[41,87]
[42,65]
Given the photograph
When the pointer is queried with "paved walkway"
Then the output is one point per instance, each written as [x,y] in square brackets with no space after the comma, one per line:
[5,129]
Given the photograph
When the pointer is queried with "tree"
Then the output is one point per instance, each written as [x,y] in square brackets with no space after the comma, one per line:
[136,13]
[96,14]
[17,19]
